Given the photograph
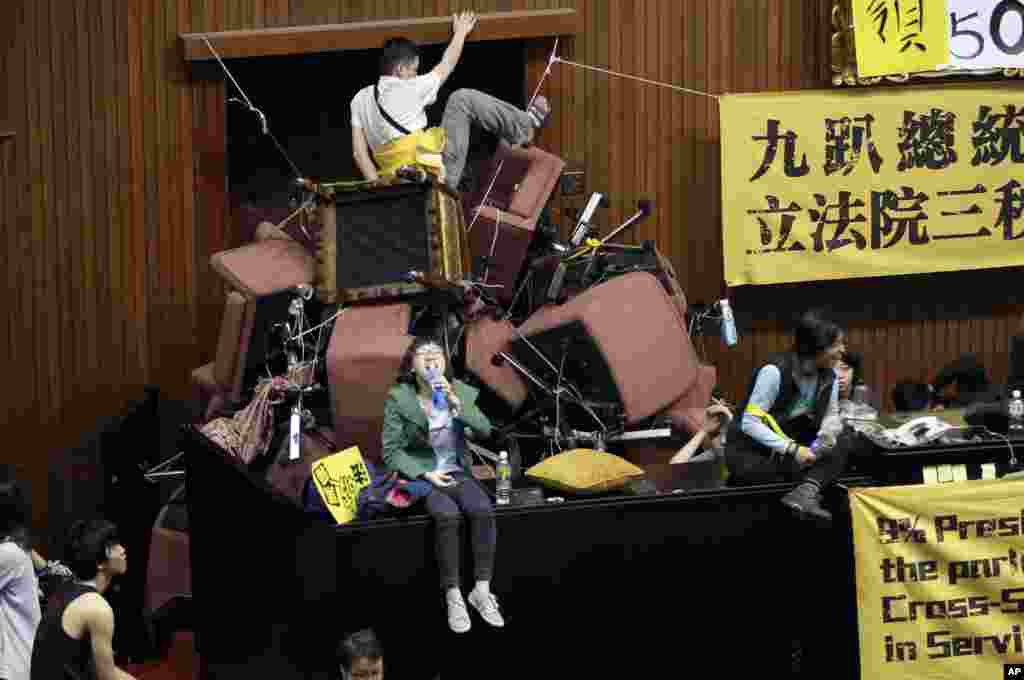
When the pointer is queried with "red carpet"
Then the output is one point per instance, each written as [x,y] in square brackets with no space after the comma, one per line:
[181,663]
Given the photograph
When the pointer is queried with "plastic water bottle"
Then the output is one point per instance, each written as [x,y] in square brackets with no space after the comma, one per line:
[440,398]
[728,323]
[1016,413]
[503,484]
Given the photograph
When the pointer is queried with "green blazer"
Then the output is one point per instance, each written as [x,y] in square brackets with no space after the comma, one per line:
[407,449]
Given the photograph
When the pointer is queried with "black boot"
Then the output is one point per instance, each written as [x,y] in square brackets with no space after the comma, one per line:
[805,501]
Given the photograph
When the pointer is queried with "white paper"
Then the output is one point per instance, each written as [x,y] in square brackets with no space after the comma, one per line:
[973,45]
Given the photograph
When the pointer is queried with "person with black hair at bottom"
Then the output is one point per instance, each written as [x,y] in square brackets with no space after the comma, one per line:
[793,401]
[361,657]
[849,373]
[75,639]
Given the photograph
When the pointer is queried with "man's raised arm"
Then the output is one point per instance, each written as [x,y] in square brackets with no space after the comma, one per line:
[462,24]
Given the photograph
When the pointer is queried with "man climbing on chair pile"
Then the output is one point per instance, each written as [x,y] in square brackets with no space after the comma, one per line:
[389,122]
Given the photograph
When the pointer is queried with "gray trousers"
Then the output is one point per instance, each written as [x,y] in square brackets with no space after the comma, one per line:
[466,107]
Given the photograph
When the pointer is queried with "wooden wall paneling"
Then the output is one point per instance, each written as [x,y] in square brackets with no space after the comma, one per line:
[106,347]
[90,316]
[48,360]
[635,112]
[62,233]
[698,236]
[702,227]
[173,328]
[602,123]
[9,328]
[190,293]
[276,13]
[129,246]
[68,152]
[617,155]
[109,94]
[144,216]
[571,102]
[40,350]
[652,118]
[23,402]
[155,239]
[213,229]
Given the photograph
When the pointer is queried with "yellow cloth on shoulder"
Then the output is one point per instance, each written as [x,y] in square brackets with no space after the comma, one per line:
[422,148]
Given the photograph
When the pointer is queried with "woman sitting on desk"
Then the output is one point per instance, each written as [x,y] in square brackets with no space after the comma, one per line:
[427,418]
[793,401]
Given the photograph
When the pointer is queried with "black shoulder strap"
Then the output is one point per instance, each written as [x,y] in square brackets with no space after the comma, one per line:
[394,123]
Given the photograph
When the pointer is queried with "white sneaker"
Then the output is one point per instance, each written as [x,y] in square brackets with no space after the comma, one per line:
[487,605]
[458,615]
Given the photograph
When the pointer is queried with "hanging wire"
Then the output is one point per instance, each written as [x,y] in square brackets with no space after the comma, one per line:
[619,74]
[249,105]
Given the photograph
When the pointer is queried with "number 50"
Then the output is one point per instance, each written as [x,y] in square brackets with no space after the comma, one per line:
[995,26]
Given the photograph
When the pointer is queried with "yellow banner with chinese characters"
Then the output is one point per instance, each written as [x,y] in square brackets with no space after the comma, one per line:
[339,478]
[900,36]
[833,185]
[940,579]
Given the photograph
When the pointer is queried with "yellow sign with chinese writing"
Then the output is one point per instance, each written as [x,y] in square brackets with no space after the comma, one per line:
[900,36]
[857,183]
[940,579]
[339,478]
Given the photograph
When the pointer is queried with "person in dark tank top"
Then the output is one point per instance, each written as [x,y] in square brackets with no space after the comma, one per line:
[74,641]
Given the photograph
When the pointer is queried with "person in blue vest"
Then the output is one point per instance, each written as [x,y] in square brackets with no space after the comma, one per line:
[789,424]
[427,418]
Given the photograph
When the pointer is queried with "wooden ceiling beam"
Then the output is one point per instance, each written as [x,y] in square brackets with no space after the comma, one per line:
[293,40]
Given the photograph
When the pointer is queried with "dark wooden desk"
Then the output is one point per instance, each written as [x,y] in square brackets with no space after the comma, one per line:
[720,579]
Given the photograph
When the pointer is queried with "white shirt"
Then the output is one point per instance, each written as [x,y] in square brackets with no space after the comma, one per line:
[404,100]
[19,611]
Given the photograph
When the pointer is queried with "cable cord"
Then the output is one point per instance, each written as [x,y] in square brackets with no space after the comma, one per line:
[264,125]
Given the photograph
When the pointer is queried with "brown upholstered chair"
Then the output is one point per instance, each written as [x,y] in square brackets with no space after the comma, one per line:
[641,334]
[484,339]
[251,272]
[363,359]
[506,222]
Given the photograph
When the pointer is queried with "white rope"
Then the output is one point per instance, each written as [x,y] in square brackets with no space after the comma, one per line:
[318,326]
[555,59]
[536,91]
[638,78]
[248,103]
[494,244]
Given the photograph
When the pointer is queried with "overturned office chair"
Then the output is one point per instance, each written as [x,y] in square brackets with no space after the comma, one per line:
[254,274]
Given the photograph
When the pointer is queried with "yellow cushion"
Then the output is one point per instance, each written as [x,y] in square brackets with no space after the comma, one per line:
[584,470]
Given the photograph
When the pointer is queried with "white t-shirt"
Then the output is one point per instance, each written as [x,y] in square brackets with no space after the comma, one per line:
[19,611]
[404,100]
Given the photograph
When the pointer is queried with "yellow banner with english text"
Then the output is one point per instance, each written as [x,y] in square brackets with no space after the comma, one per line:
[940,579]
[873,182]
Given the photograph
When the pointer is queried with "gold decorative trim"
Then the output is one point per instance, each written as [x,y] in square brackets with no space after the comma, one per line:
[844,58]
